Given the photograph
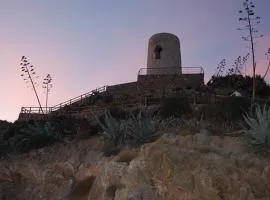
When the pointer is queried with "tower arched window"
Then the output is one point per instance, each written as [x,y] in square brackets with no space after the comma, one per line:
[157,51]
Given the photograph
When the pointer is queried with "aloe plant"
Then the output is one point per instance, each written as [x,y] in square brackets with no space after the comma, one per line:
[134,129]
[259,127]
[140,128]
[113,129]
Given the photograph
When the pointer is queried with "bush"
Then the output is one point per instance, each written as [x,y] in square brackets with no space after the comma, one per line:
[15,129]
[36,135]
[115,112]
[232,108]
[241,83]
[118,113]
[259,128]
[68,125]
[227,109]
[107,97]
[176,107]
[4,125]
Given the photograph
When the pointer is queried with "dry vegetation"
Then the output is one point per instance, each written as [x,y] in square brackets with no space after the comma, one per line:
[186,159]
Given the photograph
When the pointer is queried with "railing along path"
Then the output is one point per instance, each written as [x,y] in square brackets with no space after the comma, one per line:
[46,110]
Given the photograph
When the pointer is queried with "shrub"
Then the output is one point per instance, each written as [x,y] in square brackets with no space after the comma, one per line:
[4,125]
[232,108]
[239,82]
[259,128]
[68,125]
[107,97]
[176,107]
[36,135]
[118,112]
[227,109]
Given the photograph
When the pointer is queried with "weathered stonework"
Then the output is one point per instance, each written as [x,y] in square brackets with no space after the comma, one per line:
[164,53]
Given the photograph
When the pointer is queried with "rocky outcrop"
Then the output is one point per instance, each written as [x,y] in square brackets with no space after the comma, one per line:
[195,166]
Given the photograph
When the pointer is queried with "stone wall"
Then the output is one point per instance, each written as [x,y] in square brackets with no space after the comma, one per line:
[30,116]
[124,92]
[157,85]
[169,53]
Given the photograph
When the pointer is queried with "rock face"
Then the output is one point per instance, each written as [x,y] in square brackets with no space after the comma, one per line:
[192,167]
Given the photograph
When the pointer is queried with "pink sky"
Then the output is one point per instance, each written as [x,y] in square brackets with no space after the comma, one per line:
[90,43]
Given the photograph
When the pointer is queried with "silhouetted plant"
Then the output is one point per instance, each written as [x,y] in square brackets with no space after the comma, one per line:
[239,82]
[250,20]
[174,106]
[232,108]
[222,65]
[268,58]
[228,109]
[238,65]
[29,75]
[106,97]
[47,85]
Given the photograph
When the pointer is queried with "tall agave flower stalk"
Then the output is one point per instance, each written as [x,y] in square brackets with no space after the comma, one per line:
[29,75]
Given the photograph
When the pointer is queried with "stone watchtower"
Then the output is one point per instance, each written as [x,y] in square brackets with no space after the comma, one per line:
[164,56]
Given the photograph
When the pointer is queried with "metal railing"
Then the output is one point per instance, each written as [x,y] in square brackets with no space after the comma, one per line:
[79,98]
[170,71]
[35,110]
[38,110]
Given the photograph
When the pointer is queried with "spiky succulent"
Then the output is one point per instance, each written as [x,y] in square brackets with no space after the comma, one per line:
[140,128]
[259,127]
[134,129]
[113,129]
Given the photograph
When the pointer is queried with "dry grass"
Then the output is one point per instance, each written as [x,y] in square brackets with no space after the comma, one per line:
[193,173]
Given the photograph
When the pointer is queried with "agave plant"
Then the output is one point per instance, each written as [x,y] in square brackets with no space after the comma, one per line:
[259,127]
[113,129]
[140,128]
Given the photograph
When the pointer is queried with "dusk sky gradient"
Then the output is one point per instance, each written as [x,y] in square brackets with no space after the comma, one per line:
[85,44]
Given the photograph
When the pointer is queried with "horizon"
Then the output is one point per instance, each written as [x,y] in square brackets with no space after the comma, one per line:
[87,44]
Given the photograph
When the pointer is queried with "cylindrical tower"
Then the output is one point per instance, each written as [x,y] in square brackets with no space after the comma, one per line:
[164,56]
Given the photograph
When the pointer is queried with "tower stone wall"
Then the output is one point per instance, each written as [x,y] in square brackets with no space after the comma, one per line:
[164,56]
